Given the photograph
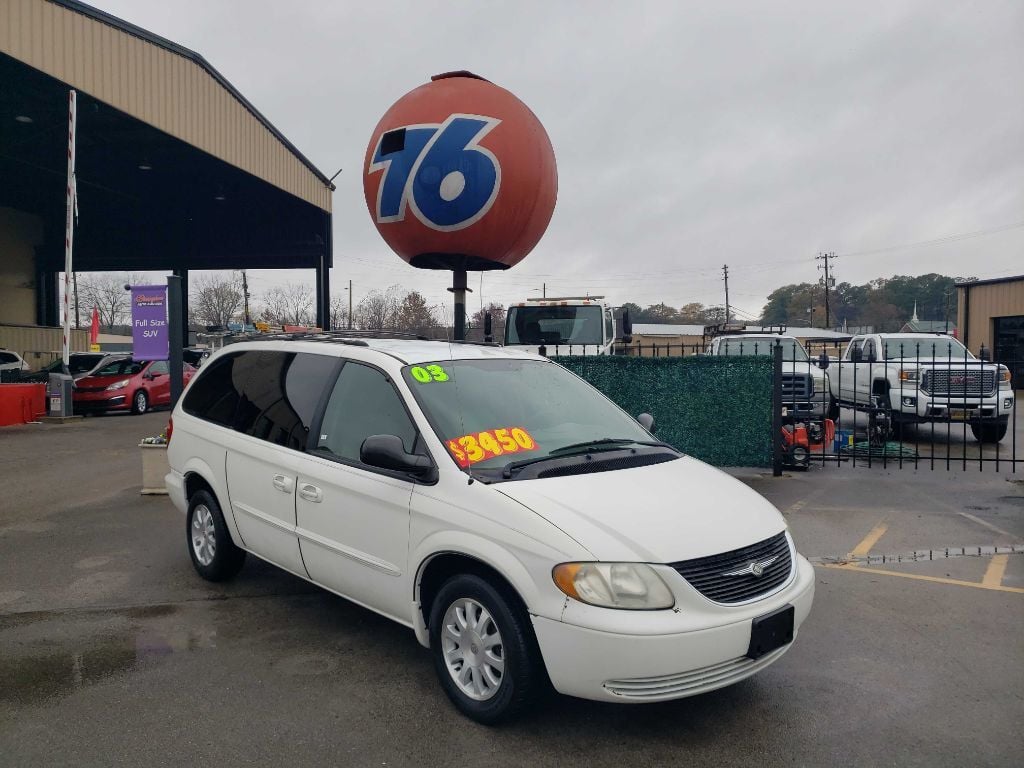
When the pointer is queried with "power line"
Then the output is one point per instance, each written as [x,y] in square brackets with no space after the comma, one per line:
[937,240]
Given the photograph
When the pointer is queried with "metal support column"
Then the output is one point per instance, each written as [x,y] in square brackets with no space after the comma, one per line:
[460,290]
[777,410]
[175,325]
[182,275]
[323,278]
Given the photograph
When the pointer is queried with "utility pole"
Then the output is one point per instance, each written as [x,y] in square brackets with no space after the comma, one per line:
[829,282]
[725,272]
[246,320]
[350,305]
[544,290]
[74,277]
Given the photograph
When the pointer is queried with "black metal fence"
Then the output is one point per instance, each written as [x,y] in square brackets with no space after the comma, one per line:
[899,400]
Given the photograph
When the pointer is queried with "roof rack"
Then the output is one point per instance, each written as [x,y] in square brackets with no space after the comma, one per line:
[355,338]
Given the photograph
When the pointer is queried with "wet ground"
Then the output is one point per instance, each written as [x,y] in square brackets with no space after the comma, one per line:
[112,651]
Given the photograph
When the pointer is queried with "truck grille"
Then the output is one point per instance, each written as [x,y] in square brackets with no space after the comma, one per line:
[717,579]
[954,382]
[796,386]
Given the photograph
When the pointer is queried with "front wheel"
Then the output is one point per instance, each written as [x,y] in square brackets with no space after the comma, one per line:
[214,556]
[990,431]
[485,654]
[140,402]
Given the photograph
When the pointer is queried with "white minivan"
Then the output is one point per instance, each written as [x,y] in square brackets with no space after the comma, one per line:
[527,529]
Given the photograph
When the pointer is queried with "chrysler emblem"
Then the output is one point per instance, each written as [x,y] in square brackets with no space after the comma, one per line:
[754,568]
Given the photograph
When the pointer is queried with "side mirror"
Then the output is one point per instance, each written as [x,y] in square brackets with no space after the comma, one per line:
[488,327]
[646,421]
[627,328]
[823,361]
[388,452]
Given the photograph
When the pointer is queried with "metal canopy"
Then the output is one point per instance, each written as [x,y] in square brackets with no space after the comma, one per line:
[147,200]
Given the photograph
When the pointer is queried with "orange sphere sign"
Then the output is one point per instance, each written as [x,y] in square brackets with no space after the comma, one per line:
[460,174]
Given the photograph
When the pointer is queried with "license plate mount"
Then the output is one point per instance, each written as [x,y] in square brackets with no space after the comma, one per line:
[960,414]
[771,631]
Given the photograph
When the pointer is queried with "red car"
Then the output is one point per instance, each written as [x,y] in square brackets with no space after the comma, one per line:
[125,384]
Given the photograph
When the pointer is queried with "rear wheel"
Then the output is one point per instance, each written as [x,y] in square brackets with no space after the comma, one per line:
[485,654]
[140,402]
[990,431]
[214,556]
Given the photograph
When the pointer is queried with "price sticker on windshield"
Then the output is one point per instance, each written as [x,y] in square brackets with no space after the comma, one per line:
[425,374]
[481,446]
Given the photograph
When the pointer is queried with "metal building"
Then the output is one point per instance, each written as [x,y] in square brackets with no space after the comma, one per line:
[991,313]
[176,169]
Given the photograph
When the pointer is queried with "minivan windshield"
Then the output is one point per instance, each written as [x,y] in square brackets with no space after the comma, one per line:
[762,346]
[491,412]
[554,325]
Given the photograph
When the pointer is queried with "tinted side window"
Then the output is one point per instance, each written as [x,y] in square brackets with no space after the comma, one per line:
[363,403]
[279,395]
[215,393]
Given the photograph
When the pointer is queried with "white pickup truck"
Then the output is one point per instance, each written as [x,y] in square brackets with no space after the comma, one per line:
[923,377]
[805,387]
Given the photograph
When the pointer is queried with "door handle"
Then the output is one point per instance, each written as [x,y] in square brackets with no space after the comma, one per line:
[282,483]
[311,493]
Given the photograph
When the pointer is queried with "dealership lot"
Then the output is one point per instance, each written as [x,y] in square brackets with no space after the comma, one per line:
[113,650]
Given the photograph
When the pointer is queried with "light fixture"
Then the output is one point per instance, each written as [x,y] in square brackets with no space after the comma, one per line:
[220,197]
[23,119]
[145,166]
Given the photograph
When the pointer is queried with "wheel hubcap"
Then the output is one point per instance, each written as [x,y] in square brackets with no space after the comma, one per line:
[472,648]
[140,402]
[204,538]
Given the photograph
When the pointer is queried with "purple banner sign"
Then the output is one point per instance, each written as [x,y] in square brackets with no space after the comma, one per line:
[149,322]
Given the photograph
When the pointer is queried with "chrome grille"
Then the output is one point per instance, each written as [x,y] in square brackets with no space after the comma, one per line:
[796,386]
[953,382]
[715,576]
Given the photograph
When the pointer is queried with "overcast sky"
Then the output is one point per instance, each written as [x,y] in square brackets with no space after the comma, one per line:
[687,135]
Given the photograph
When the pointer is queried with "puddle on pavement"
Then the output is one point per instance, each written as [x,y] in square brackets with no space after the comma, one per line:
[36,677]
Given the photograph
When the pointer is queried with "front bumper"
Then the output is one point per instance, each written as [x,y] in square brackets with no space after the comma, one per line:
[622,667]
[915,405]
[98,402]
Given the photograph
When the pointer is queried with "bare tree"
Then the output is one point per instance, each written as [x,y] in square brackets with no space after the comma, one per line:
[215,299]
[290,304]
[378,310]
[338,313]
[105,291]
[414,315]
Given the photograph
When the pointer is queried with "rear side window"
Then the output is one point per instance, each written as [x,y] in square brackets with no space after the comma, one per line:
[7,357]
[363,403]
[214,395]
[269,395]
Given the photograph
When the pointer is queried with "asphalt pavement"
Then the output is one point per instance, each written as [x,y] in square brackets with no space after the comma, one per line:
[113,652]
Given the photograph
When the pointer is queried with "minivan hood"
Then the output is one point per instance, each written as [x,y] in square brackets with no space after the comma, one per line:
[661,513]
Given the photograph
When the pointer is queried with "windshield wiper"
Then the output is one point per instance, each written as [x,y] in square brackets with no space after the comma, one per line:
[604,444]
[605,441]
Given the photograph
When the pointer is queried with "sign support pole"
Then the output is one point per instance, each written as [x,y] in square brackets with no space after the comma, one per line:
[460,290]
[174,337]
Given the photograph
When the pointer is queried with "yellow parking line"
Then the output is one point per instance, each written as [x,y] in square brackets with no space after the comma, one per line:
[921,577]
[870,540]
[994,573]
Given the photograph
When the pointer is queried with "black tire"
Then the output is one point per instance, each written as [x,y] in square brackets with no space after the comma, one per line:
[990,431]
[227,559]
[522,679]
[140,402]
[833,409]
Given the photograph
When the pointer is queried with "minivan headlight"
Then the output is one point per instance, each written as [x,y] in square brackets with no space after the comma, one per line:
[628,586]
[118,384]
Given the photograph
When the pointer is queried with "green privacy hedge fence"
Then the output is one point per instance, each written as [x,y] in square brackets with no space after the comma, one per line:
[717,409]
